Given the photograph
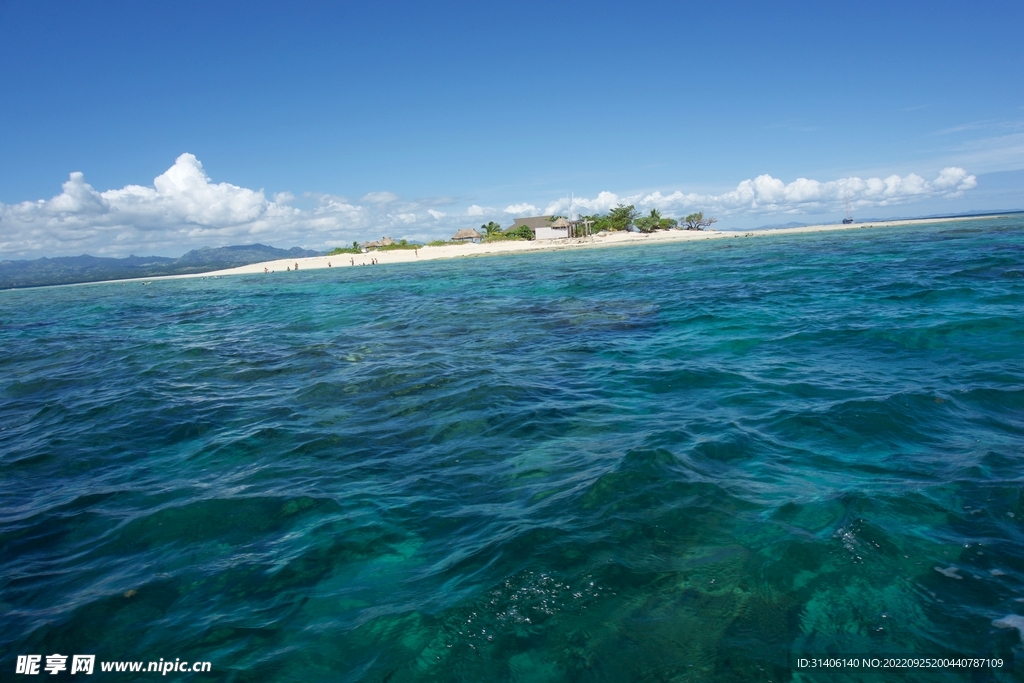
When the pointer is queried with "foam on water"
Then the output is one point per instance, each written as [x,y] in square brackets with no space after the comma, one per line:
[665,463]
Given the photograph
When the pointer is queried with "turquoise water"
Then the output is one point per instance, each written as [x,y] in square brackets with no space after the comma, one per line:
[665,463]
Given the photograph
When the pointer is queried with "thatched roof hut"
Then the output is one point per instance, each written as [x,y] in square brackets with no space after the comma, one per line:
[385,242]
[466,234]
[561,223]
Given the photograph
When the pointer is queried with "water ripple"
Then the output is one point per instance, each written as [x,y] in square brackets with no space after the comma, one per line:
[672,462]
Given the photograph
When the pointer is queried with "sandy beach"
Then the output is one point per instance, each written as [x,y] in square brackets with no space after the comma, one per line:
[596,241]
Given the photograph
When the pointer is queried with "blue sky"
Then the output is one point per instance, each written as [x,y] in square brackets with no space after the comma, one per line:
[314,124]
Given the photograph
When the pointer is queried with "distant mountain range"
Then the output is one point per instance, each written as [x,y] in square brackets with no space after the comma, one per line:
[66,270]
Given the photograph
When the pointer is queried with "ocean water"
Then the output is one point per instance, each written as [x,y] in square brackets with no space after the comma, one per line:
[689,462]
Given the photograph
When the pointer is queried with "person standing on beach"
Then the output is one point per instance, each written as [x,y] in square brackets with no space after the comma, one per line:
[296,265]
[352,261]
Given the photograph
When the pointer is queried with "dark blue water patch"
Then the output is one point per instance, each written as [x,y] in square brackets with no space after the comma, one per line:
[677,462]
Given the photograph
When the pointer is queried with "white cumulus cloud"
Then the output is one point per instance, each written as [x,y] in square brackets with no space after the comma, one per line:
[522,209]
[768,195]
[185,209]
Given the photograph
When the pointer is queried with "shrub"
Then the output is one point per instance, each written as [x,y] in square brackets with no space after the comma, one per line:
[523,232]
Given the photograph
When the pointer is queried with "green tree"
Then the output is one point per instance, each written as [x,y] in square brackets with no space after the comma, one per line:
[655,221]
[490,229]
[696,221]
[621,217]
[524,232]
[354,249]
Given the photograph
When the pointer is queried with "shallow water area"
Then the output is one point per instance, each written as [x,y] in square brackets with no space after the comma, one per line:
[682,462]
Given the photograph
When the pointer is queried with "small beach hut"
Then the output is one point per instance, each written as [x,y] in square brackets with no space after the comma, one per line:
[557,229]
[384,242]
[467,235]
[531,222]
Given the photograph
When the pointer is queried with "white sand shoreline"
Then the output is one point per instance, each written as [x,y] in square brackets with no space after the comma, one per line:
[515,247]
[497,248]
